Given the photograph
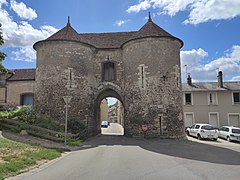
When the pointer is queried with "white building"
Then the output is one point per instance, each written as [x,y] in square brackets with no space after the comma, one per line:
[216,103]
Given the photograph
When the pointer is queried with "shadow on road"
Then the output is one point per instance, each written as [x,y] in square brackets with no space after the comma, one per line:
[177,148]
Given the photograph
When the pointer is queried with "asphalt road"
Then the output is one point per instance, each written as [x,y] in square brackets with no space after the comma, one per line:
[119,158]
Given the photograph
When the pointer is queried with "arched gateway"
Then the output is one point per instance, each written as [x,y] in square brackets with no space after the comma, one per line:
[140,68]
[107,91]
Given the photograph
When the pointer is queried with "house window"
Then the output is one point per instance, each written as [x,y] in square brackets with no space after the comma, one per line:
[108,71]
[214,119]
[236,98]
[188,98]
[212,99]
[234,119]
[26,99]
[189,119]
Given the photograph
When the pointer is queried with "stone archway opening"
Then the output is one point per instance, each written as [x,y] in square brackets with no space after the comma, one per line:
[110,113]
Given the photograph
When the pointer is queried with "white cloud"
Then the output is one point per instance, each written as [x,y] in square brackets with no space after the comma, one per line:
[193,56]
[236,78]
[3,2]
[22,10]
[22,35]
[121,22]
[200,11]
[229,63]
[24,54]
[191,59]
[143,5]
[171,7]
[204,11]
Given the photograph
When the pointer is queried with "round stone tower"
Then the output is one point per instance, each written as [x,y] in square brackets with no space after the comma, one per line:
[140,68]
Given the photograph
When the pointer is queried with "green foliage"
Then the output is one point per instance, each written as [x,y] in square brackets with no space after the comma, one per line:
[26,114]
[11,145]
[75,126]
[18,156]
[74,142]
[2,55]
[7,114]
[42,154]
[29,116]
[49,124]
[24,126]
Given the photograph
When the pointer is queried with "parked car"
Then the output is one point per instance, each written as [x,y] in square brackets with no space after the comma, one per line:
[104,124]
[229,133]
[203,131]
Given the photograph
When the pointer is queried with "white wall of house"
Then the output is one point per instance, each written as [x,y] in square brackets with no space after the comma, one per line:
[218,111]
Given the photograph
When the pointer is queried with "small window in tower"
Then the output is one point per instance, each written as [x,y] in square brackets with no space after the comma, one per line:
[108,71]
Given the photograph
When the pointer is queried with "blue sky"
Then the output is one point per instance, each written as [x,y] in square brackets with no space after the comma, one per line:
[209,28]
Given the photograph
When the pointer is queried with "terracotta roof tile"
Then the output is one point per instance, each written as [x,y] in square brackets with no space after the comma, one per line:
[22,75]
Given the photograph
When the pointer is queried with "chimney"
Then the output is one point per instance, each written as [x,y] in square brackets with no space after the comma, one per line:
[220,79]
[189,79]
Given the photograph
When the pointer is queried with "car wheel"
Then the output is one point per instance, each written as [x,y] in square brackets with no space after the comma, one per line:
[199,136]
[228,139]
[188,133]
[215,139]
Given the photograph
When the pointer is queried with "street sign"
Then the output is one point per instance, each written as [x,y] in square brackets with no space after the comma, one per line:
[67,99]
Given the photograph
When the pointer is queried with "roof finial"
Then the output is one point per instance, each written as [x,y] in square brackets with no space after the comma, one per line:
[149,17]
[69,20]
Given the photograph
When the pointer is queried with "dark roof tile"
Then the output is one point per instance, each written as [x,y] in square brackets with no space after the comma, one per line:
[22,75]
[211,86]
[109,40]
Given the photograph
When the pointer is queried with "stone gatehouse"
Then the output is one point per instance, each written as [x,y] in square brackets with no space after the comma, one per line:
[140,68]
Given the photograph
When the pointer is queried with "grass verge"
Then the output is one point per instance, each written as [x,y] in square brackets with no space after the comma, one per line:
[16,157]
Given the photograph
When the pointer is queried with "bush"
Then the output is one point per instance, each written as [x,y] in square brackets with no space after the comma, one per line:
[49,124]
[26,114]
[7,114]
[75,126]
[74,142]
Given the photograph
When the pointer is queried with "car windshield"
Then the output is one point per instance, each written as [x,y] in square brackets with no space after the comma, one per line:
[207,127]
[237,131]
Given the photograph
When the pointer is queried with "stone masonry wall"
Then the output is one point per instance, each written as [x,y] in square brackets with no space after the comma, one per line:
[153,87]
[147,83]
[65,69]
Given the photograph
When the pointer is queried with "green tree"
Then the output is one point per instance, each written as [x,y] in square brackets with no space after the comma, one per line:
[2,55]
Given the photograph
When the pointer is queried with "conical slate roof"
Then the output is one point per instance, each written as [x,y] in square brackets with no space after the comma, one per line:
[67,33]
[151,29]
[110,40]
